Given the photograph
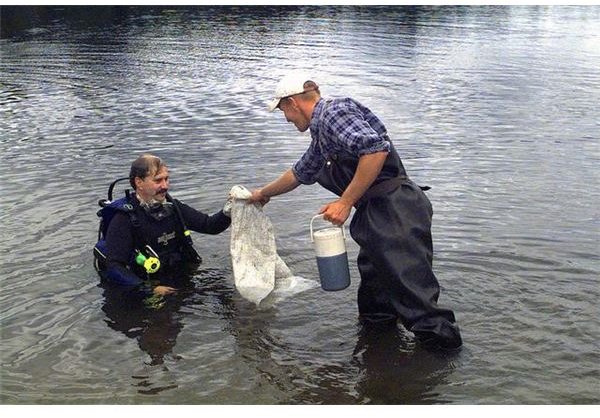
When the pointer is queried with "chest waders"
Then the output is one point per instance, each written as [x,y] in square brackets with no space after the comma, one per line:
[392,226]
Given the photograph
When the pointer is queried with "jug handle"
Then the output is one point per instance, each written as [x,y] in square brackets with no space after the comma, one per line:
[312,239]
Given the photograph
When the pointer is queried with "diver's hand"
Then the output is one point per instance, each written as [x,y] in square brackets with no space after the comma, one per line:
[227,206]
[257,196]
[164,290]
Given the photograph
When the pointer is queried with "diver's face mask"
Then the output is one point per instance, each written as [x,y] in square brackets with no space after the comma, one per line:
[158,210]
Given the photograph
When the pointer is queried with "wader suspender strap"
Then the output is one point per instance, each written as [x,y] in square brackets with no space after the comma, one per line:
[382,188]
[330,159]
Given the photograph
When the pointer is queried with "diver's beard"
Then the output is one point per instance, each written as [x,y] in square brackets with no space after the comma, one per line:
[158,209]
[153,201]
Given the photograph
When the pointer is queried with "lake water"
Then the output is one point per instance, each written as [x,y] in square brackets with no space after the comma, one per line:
[495,108]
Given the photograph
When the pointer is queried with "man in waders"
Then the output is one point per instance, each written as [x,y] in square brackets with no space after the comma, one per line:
[352,156]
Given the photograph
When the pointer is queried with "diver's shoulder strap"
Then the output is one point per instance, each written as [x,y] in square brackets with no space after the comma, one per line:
[186,235]
[127,206]
[182,224]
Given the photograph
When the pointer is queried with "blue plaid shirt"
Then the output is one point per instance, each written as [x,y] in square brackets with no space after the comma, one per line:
[340,125]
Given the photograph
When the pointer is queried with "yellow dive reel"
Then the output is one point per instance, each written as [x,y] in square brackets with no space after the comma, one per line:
[150,262]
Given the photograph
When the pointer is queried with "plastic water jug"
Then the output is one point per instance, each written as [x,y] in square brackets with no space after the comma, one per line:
[332,258]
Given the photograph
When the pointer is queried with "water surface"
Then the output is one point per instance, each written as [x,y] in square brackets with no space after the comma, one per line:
[496,108]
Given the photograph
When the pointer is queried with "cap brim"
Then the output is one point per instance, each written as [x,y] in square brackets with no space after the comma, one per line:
[272,105]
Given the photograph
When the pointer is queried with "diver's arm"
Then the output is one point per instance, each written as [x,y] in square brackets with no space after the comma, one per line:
[119,244]
[119,274]
[203,223]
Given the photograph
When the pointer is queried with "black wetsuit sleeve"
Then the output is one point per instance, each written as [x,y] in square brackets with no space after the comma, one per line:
[203,223]
[120,243]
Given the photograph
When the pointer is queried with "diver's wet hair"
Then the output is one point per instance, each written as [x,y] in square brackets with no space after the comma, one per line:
[145,165]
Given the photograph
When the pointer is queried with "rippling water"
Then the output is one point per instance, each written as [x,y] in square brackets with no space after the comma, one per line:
[496,108]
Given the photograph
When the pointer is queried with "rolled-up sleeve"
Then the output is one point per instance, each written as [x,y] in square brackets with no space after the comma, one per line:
[346,122]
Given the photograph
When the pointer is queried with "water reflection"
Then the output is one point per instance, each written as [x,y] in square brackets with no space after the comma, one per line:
[155,325]
[384,367]
[394,371]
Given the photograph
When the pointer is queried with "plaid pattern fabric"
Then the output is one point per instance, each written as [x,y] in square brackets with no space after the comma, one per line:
[340,125]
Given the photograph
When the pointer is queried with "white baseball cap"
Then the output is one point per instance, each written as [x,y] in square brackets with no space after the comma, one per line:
[291,84]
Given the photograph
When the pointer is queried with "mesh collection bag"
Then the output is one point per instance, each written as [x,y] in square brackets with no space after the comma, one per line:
[257,268]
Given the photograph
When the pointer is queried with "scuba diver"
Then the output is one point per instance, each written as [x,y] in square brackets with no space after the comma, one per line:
[144,243]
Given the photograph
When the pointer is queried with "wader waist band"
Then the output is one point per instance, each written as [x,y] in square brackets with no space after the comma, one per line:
[383,188]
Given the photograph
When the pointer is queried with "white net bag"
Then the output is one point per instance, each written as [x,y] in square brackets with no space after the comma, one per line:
[257,268]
